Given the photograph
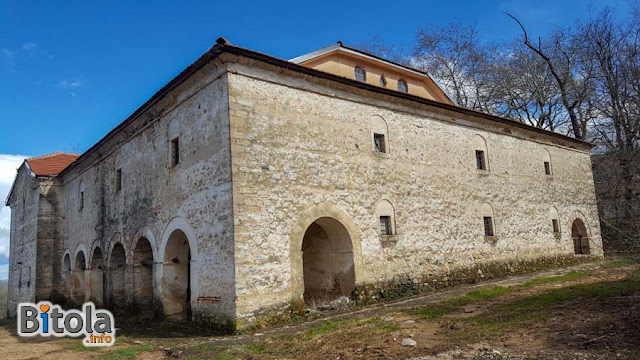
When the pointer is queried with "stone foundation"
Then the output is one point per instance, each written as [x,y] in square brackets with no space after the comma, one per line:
[405,285]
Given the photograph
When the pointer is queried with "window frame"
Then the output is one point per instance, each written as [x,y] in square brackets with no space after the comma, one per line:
[547,168]
[555,226]
[481,160]
[382,149]
[406,86]
[489,229]
[386,227]
[383,81]
[174,148]
[364,73]
[118,179]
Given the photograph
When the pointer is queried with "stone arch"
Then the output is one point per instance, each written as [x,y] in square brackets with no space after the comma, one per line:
[384,208]
[78,276]
[66,274]
[379,126]
[142,264]
[96,277]
[479,143]
[117,275]
[331,215]
[144,232]
[177,277]
[580,233]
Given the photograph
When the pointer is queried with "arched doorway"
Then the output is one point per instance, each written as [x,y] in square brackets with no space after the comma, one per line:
[176,274]
[117,271]
[66,277]
[327,262]
[580,237]
[143,276]
[96,276]
[78,283]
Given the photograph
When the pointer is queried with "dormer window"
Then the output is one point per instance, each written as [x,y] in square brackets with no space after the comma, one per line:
[360,74]
[402,86]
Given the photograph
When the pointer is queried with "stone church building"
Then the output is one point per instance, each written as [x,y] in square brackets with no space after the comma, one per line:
[249,187]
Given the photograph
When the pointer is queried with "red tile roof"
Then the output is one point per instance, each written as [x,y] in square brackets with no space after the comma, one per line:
[52,164]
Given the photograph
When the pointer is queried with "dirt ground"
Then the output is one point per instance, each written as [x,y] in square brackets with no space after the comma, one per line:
[590,311]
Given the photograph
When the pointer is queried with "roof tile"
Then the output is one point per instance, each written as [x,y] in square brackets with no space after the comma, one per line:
[52,164]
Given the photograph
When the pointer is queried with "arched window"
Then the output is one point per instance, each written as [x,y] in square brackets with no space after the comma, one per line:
[555,223]
[360,74]
[402,86]
[387,218]
[488,221]
[546,160]
[383,81]
[380,135]
[481,153]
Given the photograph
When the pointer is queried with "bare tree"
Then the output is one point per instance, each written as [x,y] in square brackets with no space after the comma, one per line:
[573,79]
[525,90]
[455,57]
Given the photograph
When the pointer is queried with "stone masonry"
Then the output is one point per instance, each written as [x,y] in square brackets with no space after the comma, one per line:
[277,200]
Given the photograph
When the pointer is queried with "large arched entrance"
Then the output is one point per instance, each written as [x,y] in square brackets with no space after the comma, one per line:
[78,283]
[328,262]
[66,276]
[117,272]
[580,237]
[143,276]
[96,276]
[176,274]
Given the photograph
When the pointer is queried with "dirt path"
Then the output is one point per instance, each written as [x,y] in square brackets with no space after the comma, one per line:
[458,323]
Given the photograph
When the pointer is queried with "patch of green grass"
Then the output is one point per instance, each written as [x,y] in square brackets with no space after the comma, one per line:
[325,328]
[440,309]
[77,345]
[535,308]
[621,262]
[125,353]
[204,348]
[255,348]
[388,328]
[566,277]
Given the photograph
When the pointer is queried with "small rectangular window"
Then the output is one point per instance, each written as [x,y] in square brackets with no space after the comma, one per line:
[175,151]
[480,160]
[81,200]
[378,140]
[385,225]
[488,226]
[556,228]
[547,168]
[118,179]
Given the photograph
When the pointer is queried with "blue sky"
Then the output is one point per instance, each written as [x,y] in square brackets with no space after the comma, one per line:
[70,71]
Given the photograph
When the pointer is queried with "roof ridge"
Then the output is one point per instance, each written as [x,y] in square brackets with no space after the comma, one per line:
[51,155]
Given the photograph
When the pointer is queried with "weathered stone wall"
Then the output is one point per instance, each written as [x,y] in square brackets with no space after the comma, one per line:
[23,240]
[157,199]
[298,144]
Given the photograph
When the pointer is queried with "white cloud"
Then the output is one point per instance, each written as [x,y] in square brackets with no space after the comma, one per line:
[71,84]
[8,166]
[28,46]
